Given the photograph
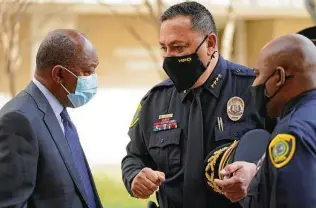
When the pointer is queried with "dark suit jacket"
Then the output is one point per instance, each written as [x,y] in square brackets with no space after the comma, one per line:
[36,168]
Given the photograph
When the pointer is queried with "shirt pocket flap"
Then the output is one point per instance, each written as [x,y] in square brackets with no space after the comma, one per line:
[233,131]
[164,138]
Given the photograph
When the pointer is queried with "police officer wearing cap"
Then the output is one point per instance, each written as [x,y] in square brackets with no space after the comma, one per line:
[285,86]
[310,33]
[205,103]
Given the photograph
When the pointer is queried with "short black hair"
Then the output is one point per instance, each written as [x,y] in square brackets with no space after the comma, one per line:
[201,18]
[59,48]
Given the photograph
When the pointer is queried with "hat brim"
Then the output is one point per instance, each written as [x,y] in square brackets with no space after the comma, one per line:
[249,148]
[252,145]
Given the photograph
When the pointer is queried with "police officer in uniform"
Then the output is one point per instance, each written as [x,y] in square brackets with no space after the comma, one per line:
[310,33]
[205,103]
[285,86]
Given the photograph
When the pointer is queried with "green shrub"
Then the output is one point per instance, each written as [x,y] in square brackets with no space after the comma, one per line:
[113,193]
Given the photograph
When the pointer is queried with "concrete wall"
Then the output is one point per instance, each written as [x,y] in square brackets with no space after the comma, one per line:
[124,61]
[259,32]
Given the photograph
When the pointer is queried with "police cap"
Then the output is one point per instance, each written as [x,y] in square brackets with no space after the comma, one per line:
[309,33]
[251,146]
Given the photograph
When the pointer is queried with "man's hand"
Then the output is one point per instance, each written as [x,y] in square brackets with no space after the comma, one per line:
[235,188]
[146,182]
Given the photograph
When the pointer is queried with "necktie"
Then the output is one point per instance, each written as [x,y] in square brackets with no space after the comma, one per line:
[193,187]
[78,156]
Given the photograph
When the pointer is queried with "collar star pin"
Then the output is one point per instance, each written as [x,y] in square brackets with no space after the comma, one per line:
[213,85]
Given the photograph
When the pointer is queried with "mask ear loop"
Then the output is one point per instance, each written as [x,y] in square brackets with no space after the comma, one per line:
[212,57]
[64,88]
[70,73]
[196,50]
[265,90]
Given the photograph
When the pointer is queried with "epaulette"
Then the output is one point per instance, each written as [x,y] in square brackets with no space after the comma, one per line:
[243,72]
[240,70]
[163,84]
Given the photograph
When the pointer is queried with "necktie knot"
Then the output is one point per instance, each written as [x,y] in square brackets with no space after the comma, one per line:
[64,115]
[197,91]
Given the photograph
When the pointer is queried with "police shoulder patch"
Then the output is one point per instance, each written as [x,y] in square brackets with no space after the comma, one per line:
[282,149]
[136,116]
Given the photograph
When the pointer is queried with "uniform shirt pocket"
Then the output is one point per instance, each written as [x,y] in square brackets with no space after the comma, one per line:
[165,149]
[233,130]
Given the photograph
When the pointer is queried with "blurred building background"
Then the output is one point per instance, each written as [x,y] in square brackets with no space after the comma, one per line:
[125,33]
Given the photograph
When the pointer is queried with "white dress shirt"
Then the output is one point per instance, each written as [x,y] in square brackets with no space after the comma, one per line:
[52,100]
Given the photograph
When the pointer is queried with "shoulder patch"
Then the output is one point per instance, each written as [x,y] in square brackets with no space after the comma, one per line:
[136,116]
[281,149]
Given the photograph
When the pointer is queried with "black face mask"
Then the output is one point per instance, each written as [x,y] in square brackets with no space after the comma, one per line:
[260,97]
[184,71]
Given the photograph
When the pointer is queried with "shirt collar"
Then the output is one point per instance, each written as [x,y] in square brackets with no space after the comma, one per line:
[215,81]
[302,98]
[52,100]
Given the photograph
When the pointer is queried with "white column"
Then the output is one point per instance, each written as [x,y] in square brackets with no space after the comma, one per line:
[241,42]
[41,24]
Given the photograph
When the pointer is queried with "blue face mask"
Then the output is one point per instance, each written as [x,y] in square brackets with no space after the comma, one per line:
[86,88]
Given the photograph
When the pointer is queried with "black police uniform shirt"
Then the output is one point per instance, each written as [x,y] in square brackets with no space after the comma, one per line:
[164,150]
[286,176]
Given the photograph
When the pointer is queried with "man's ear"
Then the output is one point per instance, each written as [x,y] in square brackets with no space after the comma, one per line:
[57,74]
[211,44]
[281,76]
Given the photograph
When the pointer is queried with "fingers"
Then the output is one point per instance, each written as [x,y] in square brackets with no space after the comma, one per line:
[152,176]
[233,188]
[139,193]
[148,188]
[161,176]
[234,197]
[227,183]
[231,168]
[146,182]
[237,195]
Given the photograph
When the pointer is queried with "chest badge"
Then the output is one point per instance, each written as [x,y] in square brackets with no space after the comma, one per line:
[235,108]
[166,122]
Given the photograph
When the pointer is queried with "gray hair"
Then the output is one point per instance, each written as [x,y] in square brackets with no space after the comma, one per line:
[201,18]
[60,47]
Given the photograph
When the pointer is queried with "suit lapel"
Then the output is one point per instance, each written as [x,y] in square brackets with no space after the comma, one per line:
[57,134]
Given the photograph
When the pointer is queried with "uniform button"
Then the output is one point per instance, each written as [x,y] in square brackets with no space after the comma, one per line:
[236,134]
[184,91]
[162,140]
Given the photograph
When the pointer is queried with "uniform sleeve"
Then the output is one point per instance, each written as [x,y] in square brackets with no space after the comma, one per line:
[137,155]
[292,163]
[18,160]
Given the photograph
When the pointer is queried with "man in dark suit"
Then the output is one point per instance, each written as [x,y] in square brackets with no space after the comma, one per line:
[42,163]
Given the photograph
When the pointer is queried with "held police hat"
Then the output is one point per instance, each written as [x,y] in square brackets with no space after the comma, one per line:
[251,146]
[309,33]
